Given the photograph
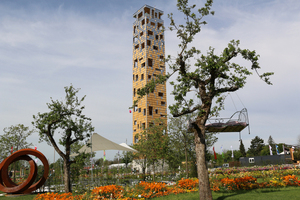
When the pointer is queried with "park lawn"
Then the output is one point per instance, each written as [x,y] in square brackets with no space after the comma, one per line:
[22,197]
[291,193]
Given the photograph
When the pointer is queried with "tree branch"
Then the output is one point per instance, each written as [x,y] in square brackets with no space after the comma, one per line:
[48,133]
[186,111]
[226,89]
[232,55]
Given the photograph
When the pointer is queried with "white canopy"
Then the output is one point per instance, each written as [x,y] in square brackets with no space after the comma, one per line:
[128,147]
[100,143]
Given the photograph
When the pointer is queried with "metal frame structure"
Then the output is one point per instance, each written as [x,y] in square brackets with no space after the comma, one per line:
[236,123]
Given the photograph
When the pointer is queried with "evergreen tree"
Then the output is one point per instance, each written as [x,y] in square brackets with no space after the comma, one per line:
[256,147]
[242,149]
[272,143]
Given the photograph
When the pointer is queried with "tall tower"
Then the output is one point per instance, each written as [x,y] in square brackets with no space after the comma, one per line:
[148,61]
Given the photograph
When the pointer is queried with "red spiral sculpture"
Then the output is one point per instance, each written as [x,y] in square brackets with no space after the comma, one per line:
[8,186]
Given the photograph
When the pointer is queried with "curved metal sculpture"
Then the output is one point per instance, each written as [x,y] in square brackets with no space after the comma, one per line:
[29,185]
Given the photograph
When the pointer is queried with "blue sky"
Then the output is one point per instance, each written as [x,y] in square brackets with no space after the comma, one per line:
[47,45]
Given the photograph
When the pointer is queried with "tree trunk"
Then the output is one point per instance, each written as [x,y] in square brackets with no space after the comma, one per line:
[162,167]
[67,176]
[144,172]
[153,167]
[186,160]
[200,147]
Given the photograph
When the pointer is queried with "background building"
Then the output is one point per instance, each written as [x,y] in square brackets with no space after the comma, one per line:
[148,62]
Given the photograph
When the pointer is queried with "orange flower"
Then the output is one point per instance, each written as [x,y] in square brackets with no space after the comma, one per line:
[56,196]
[188,183]
[108,191]
[291,180]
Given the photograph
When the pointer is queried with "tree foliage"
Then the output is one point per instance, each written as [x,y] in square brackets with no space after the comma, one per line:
[153,145]
[242,149]
[127,157]
[80,160]
[256,147]
[182,146]
[265,151]
[213,76]
[14,136]
[64,118]
[271,140]
[14,139]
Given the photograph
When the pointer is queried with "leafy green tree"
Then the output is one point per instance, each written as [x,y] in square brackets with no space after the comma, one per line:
[220,159]
[141,156]
[265,151]
[14,137]
[153,144]
[181,142]
[65,118]
[99,162]
[56,169]
[182,146]
[212,76]
[256,147]
[127,157]
[80,160]
[227,156]
[157,143]
[237,154]
[280,147]
[242,149]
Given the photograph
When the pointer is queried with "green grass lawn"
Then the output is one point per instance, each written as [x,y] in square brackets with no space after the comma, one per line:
[290,193]
[23,197]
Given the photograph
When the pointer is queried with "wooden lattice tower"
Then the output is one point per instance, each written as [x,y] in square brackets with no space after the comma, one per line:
[148,62]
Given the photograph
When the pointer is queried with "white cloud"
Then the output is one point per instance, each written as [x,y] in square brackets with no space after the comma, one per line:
[47,46]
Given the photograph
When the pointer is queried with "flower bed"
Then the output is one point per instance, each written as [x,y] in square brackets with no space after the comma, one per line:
[142,190]
[56,196]
[221,181]
[248,182]
[188,184]
[108,191]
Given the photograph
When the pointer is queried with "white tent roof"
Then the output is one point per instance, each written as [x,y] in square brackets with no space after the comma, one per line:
[128,147]
[100,143]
